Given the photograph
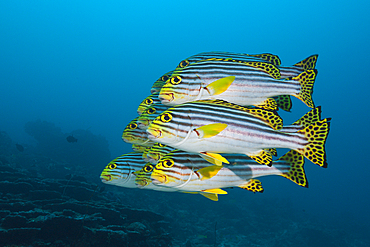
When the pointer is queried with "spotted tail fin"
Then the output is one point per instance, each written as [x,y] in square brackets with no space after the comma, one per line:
[306,79]
[308,63]
[296,171]
[316,135]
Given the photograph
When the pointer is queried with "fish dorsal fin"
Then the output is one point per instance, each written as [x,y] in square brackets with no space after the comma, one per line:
[219,86]
[210,130]
[209,172]
[274,59]
[214,158]
[213,197]
[308,63]
[269,117]
[309,118]
[266,67]
[253,185]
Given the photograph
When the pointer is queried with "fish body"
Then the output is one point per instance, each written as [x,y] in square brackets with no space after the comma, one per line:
[209,127]
[134,135]
[286,72]
[189,172]
[157,151]
[234,82]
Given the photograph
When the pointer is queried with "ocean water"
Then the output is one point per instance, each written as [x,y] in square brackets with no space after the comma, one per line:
[84,67]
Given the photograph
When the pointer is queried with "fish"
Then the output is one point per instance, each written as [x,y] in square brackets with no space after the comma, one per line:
[148,101]
[211,127]
[71,139]
[121,170]
[308,63]
[189,172]
[158,84]
[19,147]
[235,82]
[150,113]
[138,148]
[134,135]
[157,151]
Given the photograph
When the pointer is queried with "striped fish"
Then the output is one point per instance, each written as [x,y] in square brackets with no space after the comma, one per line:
[150,113]
[148,101]
[121,170]
[286,72]
[210,127]
[235,82]
[188,172]
[157,151]
[138,148]
[158,84]
[134,135]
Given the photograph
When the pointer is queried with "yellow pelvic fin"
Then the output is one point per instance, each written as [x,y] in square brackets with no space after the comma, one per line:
[274,59]
[215,191]
[269,104]
[214,158]
[213,197]
[306,79]
[308,63]
[210,130]
[284,102]
[309,118]
[219,86]
[263,157]
[296,172]
[209,172]
[253,185]
[316,135]
[270,117]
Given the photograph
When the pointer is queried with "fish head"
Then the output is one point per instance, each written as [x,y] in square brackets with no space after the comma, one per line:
[148,101]
[138,148]
[150,114]
[160,82]
[133,134]
[181,87]
[170,173]
[157,152]
[143,176]
[117,172]
[145,154]
[169,127]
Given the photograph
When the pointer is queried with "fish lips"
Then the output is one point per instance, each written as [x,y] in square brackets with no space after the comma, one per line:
[166,98]
[154,134]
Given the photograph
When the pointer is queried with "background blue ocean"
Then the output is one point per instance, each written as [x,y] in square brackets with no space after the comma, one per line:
[88,64]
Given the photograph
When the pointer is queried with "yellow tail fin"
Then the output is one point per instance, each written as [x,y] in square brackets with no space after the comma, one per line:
[306,79]
[308,63]
[296,172]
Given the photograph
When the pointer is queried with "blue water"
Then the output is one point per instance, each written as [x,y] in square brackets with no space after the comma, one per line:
[88,64]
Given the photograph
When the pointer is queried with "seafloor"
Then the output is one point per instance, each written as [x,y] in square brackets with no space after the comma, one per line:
[45,201]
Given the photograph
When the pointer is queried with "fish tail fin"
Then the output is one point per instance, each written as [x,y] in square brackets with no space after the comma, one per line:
[307,63]
[306,80]
[296,172]
[284,102]
[309,118]
[316,135]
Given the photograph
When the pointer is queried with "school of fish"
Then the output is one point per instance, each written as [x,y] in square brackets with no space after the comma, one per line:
[212,123]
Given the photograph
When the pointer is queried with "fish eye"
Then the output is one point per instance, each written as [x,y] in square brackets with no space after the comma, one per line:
[151,111]
[148,101]
[148,168]
[166,117]
[184,63]
[161,145]
[112,166]
[175,80]
[167,163]
[132,126]
[164,78]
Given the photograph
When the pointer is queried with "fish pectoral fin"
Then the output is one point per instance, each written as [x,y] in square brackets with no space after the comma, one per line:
[269,104]
[214,158]
[210,130]
[219,86]
[253,185]
[263,157]
[209,172]
[213,197]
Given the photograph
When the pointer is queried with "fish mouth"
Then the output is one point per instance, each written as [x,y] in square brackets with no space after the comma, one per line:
[157,178]
[143,124]
[141,183]
[154,134]
[166,97]
[105,178]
